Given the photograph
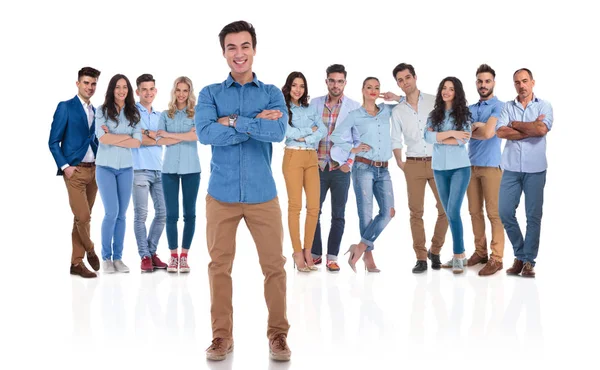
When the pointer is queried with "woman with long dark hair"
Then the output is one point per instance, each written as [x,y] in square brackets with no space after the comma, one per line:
[370,174]
[300,168]
[118,131]
[177,130]
[449,129]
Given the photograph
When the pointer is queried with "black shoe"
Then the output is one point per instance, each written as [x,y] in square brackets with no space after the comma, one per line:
[436,264]
[420,267]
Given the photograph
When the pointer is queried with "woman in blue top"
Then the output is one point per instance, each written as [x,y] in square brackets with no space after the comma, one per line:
[176,130]
[300,169]
[370,174]
[449,129]
[118,131]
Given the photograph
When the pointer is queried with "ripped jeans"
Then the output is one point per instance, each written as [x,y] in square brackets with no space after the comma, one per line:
[369,182]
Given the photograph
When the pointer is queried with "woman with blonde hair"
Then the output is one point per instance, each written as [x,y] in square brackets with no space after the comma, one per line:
[176,130]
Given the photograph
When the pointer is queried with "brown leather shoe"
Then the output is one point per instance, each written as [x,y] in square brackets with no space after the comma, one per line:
[219,349]
[82,271]
[476,259]
[279,349]
[491,267]
[93,260]
[516,268]
[528,270]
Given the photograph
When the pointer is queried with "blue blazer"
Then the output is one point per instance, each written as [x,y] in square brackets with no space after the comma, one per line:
[70,135]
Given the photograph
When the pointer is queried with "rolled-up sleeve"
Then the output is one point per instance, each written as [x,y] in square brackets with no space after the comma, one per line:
[429,136]
[396,133]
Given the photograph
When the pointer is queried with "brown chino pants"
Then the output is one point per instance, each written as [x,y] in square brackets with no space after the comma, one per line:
[264,222]
[418,174]
[485,186]
[82,189]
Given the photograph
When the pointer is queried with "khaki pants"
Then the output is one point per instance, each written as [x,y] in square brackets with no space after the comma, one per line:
[264,222]
[418,174]
[300,170]
[82,189]
[485,186]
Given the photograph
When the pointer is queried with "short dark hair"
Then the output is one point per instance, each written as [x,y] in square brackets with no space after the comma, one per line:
[336,68]
[523,69]
[403,66]
[88,71]
[484,68]
[146,77]
[237,27]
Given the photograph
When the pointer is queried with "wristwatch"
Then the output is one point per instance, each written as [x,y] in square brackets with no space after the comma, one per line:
[232,118]
[146,132]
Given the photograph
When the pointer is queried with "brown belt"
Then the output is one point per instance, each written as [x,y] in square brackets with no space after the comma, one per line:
[86,164]
[371,163]
[423,159]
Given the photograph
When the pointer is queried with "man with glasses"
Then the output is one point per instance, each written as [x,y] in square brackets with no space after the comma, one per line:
[334,166]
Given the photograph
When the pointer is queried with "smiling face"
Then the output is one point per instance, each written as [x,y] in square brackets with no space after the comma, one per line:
[86,87]
[297,89]
[182,92]
[406,81]
[448,93]
[121,91]
[147,92]
[371,90]
[239,53]
[485,85]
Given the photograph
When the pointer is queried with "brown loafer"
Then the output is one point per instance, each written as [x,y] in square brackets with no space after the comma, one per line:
[93,260]
[491,267]
[82,271]
[516,268]
[528,270]
[476,259]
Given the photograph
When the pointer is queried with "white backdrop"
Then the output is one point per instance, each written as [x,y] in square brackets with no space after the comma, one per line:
[44,44]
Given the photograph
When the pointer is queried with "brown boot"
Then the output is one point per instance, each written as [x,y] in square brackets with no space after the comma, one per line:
[279,349]
[516,268]
[93,260]
[219,349]
[476,259]
[528,270]
[82,271]
[491,267]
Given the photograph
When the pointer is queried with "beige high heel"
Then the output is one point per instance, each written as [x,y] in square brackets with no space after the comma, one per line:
[301,269]
[312,267]
[351,250]
[370,269]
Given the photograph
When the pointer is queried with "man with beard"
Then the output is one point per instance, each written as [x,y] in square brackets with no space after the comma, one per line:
[485,153]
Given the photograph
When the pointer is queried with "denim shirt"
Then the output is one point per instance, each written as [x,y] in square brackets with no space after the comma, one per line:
[303,120]
[241,155]
[112,155]
[181,158]
[147,157]
[485,153]
[373,130]
[446,156]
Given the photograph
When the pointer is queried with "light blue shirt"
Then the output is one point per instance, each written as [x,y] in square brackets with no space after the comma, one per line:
[373,131]
[485,153]
[147,157]
[181,158]
[446,156]
[303,120]
[527,155]
[112,155]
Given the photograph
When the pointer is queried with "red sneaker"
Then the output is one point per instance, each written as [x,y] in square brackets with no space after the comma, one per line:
[157,263]
[147,264]
[173,264]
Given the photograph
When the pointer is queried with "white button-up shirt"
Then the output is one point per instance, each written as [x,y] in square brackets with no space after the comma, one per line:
[408,126]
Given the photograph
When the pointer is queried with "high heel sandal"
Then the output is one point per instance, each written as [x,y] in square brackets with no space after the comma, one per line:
[312,267]
[351,250]
[301,269]
[370,269]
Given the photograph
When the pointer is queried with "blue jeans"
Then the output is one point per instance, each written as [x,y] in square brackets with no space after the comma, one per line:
[190,183]
[512,186]
[452,186]
[339,184]
[115,190]
[148,182]
[369,182]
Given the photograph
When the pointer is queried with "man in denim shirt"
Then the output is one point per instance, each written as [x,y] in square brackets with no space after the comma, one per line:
[524,123]
[240,118]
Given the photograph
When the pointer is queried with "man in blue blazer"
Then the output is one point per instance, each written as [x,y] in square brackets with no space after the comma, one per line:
[73,145]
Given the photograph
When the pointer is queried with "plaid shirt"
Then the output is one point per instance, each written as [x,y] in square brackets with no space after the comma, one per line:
[330,115]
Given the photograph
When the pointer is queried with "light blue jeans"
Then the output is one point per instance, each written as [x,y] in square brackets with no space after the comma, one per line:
[452,187]
[148,182]
[115,190]
[369,182]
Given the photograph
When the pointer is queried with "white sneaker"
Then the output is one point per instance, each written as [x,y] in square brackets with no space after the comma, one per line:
[183,265]
[108,267]
[120,266]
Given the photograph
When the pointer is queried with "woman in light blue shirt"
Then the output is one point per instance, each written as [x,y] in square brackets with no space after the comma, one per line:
[300,166]
[449,129]
[176,130]
[118,130]
[370,174]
